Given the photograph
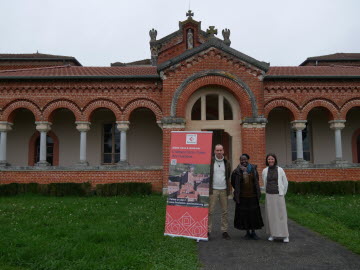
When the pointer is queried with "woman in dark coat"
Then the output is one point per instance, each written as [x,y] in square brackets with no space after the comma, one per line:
[245,181]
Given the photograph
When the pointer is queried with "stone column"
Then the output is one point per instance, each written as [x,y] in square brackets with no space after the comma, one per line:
[4,128]
[83,128]
[299,126]
[43,128]
[337,126]
[203,107]
[221,107]
[123,126]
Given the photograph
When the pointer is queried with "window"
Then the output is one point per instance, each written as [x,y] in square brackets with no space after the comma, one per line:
[212,107]
[111,144]
[196,110]
[228,115]
[217,107]
[306,139]
[49,150]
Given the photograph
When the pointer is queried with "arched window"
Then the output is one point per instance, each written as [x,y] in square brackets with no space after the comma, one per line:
[111,144]
[211,107]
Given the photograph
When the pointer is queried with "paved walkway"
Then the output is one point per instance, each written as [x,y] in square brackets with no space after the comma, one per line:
[306,250]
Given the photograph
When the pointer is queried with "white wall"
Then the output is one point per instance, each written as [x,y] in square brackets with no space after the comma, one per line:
[351,125]
[63,125]
[144,139]
[278,132]
[323,138]
[18,138]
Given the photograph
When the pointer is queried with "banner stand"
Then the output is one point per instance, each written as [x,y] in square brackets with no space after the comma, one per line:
[188,185]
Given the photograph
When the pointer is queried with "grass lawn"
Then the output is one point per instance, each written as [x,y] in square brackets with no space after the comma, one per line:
[38,232]
[336,217]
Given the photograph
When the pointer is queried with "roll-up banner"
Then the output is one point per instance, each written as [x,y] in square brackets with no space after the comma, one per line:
[188,186]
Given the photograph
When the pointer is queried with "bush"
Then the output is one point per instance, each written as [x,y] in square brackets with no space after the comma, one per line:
[53,189]
[325,188]
[130,188]
[69,189]
[76,189]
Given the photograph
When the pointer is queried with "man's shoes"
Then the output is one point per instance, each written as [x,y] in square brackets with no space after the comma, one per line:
[271,238]
[254,236]
[286,240]
[226,236]
[247,236]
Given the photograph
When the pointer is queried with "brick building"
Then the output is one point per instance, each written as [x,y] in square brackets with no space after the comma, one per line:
[62,122]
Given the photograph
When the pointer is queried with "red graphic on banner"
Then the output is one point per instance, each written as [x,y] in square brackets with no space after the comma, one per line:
[183,221]
[188,186]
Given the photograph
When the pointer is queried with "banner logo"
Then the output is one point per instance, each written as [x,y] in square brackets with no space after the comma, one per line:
[191,138]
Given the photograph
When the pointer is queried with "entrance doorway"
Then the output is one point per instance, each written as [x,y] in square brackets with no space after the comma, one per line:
[223,138]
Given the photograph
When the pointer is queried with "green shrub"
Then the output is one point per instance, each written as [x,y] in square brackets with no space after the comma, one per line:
[53,189]
[69,189]
[130,188]
[325,188]
[9,189]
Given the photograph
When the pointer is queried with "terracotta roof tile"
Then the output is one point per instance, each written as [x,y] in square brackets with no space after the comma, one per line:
[33,56]
[336,56]
[72,71]
[12,67]
[314,71]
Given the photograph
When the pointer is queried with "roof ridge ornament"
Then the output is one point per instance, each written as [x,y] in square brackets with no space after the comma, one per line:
[190,14]
[153,34]
[226,35]
[211,31]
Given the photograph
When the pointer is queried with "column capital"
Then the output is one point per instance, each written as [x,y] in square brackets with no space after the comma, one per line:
[122,125]
[82,126]
[337,124]
[172,122]
[298,124]
[43,126]
[5,126]
[254,122]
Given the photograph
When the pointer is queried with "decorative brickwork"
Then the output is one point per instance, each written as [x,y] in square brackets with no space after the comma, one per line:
[101,103]
[60,104]
[348,106]
[294,110]
[332,109]
[142,103]
[242,93]
[182,63]
[9,110]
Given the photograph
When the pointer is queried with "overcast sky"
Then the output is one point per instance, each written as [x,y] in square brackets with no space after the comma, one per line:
[100,32]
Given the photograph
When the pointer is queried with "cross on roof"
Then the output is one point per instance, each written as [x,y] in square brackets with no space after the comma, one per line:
[190,14]
[211,31]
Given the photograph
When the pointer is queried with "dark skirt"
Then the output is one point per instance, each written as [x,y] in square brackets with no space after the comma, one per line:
[248,214]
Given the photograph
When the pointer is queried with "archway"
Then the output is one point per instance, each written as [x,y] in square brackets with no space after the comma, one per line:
[213,108]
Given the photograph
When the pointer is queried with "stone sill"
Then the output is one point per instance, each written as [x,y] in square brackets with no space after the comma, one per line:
[322,166]
[82,168]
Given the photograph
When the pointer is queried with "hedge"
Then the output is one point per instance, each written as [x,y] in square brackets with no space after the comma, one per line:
[123,189]
[76,189]
[325,188]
